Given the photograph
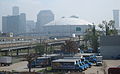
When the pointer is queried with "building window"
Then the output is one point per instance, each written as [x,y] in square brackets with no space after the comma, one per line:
[49,32]
[78,29]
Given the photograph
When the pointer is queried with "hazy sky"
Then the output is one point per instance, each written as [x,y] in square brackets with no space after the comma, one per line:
[90,10]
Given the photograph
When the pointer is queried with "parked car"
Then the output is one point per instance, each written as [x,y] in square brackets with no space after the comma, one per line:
[114,70]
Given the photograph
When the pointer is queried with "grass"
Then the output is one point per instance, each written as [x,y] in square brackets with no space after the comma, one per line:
[43,70]
[49,68]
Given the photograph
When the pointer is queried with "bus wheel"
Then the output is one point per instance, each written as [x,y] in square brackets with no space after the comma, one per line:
[80,70]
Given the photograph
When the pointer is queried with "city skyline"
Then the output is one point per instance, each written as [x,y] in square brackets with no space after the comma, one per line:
[93,11]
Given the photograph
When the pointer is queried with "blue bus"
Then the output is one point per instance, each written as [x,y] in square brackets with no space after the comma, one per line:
[67,65]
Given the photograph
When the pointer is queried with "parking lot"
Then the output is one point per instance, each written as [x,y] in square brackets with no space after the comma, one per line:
[104,68]
[22,66]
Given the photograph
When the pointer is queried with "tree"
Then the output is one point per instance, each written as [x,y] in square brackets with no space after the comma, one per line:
[94,42]
[87,36]
[30,57]
[91,36]
[70,47]
[108,28]
[40,49]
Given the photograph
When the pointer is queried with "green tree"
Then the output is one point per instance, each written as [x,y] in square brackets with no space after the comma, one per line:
[91,36]
[94,39]
[50,49]
[87,36]
[70,47]
[40,49]
[108,28]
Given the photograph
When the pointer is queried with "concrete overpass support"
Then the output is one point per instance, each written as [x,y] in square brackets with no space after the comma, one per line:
[28,50]
[17,52]
[6,53]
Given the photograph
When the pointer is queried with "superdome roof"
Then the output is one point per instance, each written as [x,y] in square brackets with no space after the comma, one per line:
[69,21]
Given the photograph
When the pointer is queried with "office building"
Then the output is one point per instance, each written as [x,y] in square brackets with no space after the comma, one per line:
[110,46]
[30,26]
[14,24]
[43,17]
[116,18]
[10,24]
[22,25]
[15,10]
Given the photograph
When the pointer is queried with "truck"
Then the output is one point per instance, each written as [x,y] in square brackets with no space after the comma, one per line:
[5,60]
[89,63]
[67,65]
[99,60]
[92,58]
[40,62]
[95,59]
[86,62]
[44,60]
[82,60]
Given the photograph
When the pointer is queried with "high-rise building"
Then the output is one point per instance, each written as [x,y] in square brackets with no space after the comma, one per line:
[22,25]
[30,26]
[15,10]
[14,24]
[44,17]
[10,24]
[116,18]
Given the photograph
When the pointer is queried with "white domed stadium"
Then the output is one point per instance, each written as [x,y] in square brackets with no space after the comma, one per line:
[65,27]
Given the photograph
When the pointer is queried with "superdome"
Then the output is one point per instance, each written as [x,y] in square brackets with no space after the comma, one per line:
[65,27]
[69,21]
